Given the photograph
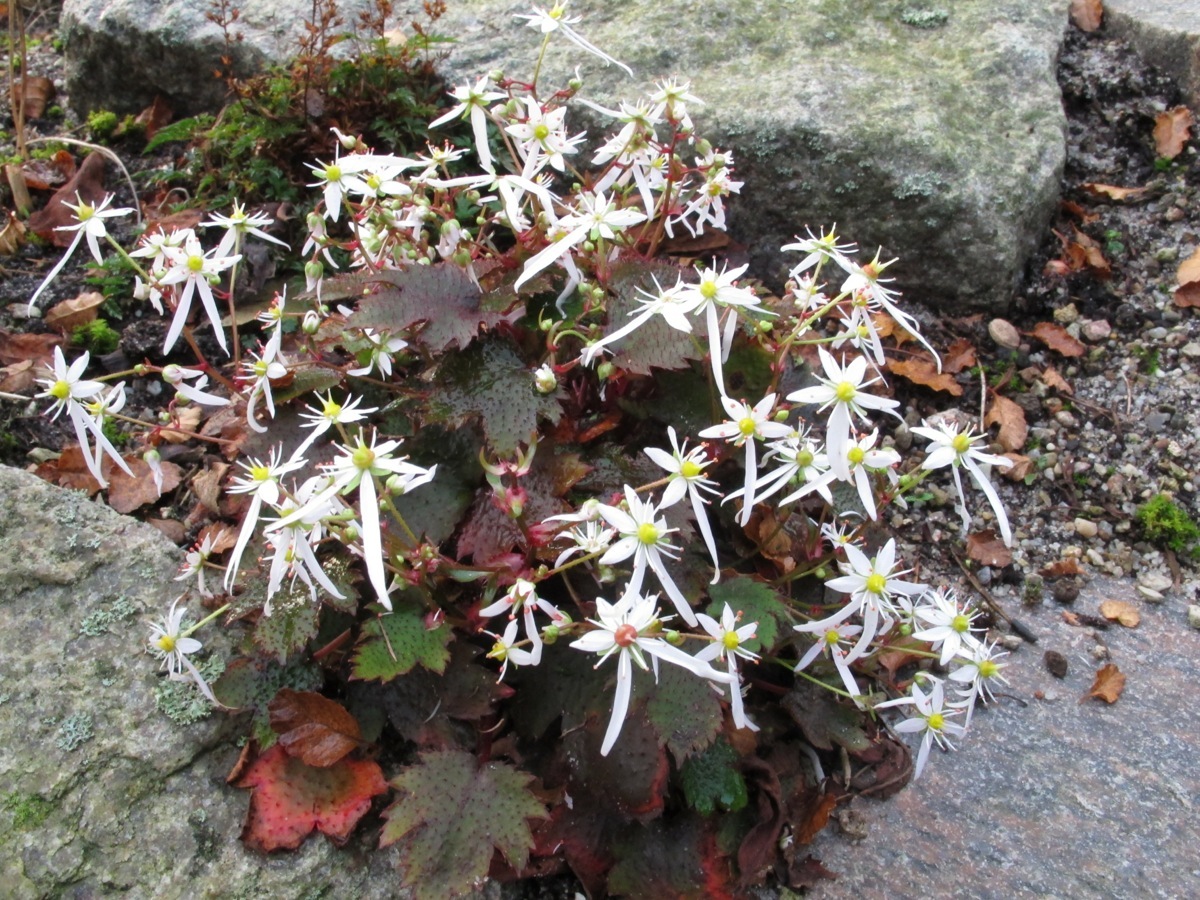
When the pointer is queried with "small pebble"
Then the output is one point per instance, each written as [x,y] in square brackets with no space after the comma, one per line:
[1149,594]
[1066,592]
[1194,615]
[984,575]
[1065,315]
[1094,332]
[1004,333]
[1050,696]
[1056,663]
[1011,642]
[1156,581]
[1191,350]
[1099,652]
[1086,528]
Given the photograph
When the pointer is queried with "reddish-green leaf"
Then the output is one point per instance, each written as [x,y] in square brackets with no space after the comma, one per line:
[490,382]
[685,711]
[449,816]
[441,296]
[655,344]
[314,729]
[290,799]
[292,623]
[678,859]
[757,602]
[253,683]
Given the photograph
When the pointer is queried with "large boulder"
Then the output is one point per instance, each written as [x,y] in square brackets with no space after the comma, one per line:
[123,53]
[1165,33]
[112,780]
[932,129]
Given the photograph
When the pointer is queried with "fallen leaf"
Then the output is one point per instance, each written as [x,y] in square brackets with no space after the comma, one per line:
[1011,419]
[27,347]
[1020,468]
[1070,207]
[958,356]
[155,116]
[70,314]
[186,421]
[223,537]
[1087,15]
[1057,339]
[88,184]
[13,235]
[1120,611]
[1093,258]
[69,471]
[290,799]
[206,485]
[126,493]
[312,728]
[1109,683]
[1112,192]
[172,529]
[1188,277]
[922,370]
[1052,379]
[886,326]
[35,92]
[44,174]
[17,378]
[1172,130]
[1061,568]
[987,549]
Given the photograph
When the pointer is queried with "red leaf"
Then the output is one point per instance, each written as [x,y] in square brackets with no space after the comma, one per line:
[922,370]
[290,800]
[313,728]
[959,355]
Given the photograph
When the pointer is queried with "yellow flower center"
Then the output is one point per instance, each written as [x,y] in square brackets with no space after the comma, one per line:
[195,263]
[747,426]
[845,391]
[363,457]
[804,459]
[856,455]
[988,669]
[708,289]
[832,637]
[876,583]
[961,443]
[260,473]
[330,409]
[541,131]
[374,182]
[647,533]
[498,651]
[60,390]
[333,173]
[86,211]
[730,640]
[960,623]
[260,367]
[689,469]
[936,721]
[166,643]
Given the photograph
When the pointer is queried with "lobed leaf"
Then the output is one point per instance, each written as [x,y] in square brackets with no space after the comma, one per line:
[291,625]
[449,816]
[253,683]
[655,344]
[757,602]
[711,780]
[394,643]
[313,728]
[685,712]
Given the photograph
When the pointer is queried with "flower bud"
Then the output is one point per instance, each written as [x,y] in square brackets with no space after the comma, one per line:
[152,456]
[550,634]
[141,370]
[605,370]
[781,415]
[172,374]
[674,638]
[544,379]
[311,322]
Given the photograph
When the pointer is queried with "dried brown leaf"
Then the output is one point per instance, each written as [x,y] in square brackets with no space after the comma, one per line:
[35,91]
[13,236]
[1087,15]
[958,356]
[1020,468]
[26,347]
[1188,276]
[1057,339]
[45,174]
[922,370]
[88,184]
[312,728]
[126,493]
[187,420]
[1172,130]
[987,549]
[155,116]
[77,311]
[206,485]
[1188,295]
[1011,419]
[1053,380]
[1109,683]
[1121,611]
[1061,568]
[17,378]
[1112,192]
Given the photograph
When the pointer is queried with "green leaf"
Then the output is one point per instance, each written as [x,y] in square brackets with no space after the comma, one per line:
[183,130]
[404,632]
[253,683]
[490,382]
[685,711]
[825,720]
[292,624]
[711,780]
[655,344]
[420,703]
[437,508]
[757,602]
[307,380]
[450,815]
[443,296]
[565,684]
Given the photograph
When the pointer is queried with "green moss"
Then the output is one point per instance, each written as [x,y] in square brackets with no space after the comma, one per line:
[97,337]
[1168,525]
[917,17]
[27,810]
[102,123]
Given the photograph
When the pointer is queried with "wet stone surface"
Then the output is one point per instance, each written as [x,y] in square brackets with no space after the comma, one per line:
[1055,798]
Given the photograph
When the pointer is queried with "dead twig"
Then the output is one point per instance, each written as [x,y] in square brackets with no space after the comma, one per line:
[1017,626]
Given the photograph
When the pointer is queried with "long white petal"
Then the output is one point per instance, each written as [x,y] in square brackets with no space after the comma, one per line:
[620,702]
[372,539]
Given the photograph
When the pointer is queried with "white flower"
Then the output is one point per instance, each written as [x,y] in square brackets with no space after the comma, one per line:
[876,592]
[262,483]
[260,369]
[237,225]
[383,347]
[954,448]
[336,178]
[174,647]
[799,460]
[98,410]
[89,224]
[588,538]
[177,377]
[555,19]
[544,379]
[644,536]
[817,250]
[717,290]
[671,99]
[978,668]
[842,390]
[950,621]
[522,597]
[292,545]
[866,278]
[194,269]
[504,650]
[543,138]
[687,477]
[727,645]
[746,425]
[859,459]
[831,641]
[931,720]
[331,413]
[472,104]
[630,628]
[196,560]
